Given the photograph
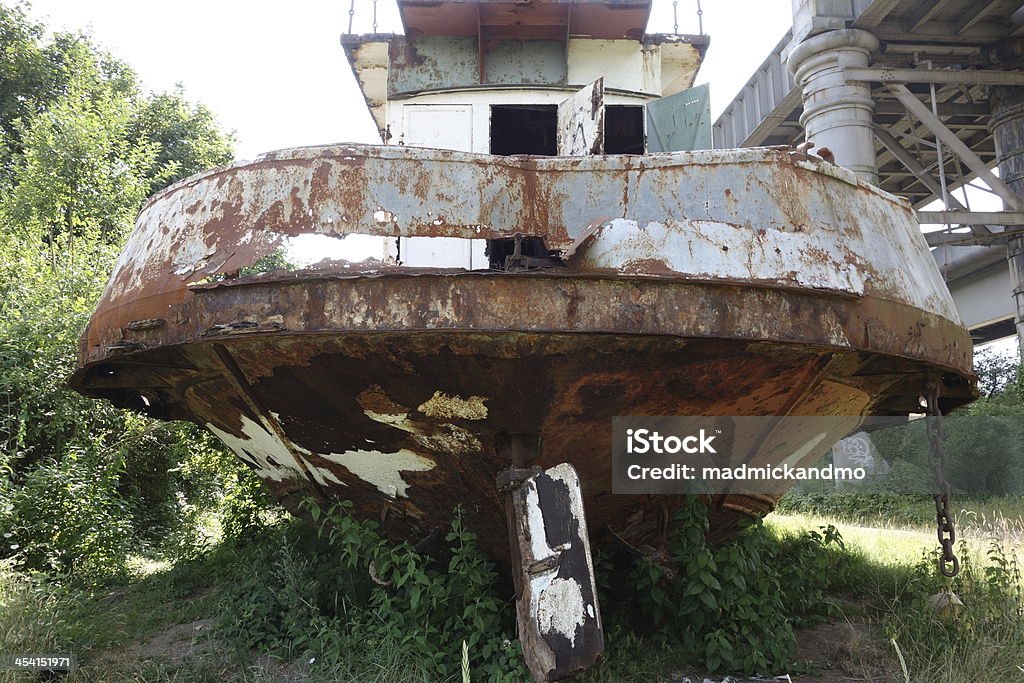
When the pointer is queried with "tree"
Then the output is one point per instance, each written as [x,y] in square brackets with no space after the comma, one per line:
[996,372]
[186,134]
[81,482]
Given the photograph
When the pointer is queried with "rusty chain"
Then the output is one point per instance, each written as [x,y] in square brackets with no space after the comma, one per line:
[949,565]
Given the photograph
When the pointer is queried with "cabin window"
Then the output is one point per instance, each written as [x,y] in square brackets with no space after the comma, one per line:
[524,129]
[623,129]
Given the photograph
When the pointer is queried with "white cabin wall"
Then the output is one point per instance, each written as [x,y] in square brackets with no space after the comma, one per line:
[442,126]
[480,101]
[625,64]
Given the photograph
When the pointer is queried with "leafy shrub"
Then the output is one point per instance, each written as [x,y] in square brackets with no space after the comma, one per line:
[732,606]
[341,595]
[67,516]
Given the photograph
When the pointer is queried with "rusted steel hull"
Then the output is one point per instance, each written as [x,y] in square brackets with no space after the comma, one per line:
[391,387]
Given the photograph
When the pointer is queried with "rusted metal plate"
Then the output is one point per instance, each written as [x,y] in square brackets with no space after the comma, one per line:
[581,122]
[559,620]
[795,224]
[409,420]
[432,63]
[516,62]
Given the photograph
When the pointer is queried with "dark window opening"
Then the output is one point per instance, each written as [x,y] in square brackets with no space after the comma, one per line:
[519,129]
[532,254]
[623,129]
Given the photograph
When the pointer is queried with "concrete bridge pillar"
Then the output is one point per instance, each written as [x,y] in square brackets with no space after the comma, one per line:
[838,114]
[1008,133]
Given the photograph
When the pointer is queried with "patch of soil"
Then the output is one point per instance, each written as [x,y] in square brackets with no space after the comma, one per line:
[833,652]
[176,643]
[845,651]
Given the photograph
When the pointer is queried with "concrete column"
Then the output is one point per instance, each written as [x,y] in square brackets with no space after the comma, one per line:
[838,114]
[1008,134]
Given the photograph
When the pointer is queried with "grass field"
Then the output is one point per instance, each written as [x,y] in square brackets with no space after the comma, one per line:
[163,626]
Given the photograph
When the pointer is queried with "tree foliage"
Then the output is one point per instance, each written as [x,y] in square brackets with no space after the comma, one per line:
[83,483]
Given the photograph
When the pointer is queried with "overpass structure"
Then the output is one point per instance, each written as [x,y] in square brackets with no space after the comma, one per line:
[921,98]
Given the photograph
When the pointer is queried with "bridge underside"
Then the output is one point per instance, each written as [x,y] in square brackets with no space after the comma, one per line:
[959,49]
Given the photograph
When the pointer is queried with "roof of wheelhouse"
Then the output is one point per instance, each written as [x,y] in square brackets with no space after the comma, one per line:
[525,19]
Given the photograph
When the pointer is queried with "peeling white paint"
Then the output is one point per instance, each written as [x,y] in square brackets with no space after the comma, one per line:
[715,250]
[322,475]
[566,474]
[396,420]
[383,470]
[444,407]
[560,608]
[539,548]
[191,255]
[450,439]
[263,449]
[446,438]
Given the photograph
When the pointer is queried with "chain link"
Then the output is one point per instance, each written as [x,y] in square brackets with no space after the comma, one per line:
[351,15]
[949,565]
[375,16]
[675,16]
[700,19]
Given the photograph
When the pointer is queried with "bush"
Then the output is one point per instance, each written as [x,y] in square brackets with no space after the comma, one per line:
[343,597]
[83,483]
[729,607]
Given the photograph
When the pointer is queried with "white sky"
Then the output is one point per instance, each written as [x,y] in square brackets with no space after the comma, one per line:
[275,72]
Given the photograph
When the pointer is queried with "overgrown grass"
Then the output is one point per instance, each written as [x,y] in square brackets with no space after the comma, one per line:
[901,511]
[248,602]
[892,575]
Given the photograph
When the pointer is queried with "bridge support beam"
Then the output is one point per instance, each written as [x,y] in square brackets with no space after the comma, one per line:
[1008,134]
[838,114]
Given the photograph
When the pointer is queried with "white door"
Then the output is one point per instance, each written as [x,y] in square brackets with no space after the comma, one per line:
[441,126]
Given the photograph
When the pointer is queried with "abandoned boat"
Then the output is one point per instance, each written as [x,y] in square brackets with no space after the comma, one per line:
[555,246]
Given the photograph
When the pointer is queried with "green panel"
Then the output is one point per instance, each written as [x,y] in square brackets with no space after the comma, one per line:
[680,122]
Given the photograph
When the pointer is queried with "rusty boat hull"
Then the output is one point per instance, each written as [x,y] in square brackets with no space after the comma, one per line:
[733,282]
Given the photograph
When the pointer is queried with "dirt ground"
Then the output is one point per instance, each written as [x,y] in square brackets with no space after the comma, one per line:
[834,652]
